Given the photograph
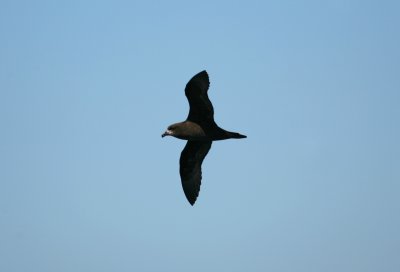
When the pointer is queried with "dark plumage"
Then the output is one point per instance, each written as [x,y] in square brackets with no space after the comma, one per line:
[199,130]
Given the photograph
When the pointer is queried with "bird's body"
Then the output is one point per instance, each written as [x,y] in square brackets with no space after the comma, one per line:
[200,130]
[192,131]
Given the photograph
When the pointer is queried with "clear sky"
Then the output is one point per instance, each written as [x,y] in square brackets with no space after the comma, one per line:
[88,184]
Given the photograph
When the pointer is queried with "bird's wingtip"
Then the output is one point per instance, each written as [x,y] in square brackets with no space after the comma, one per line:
[203,73]
[192,201]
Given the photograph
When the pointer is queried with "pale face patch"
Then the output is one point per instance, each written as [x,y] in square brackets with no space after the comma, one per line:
[168,132]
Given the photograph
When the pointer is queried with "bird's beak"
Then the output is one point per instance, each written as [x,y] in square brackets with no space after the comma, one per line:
[166,133]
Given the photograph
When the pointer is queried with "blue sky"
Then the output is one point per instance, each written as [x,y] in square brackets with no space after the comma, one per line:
[88,184]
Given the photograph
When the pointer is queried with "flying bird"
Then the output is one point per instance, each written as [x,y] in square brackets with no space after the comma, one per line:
[200,130]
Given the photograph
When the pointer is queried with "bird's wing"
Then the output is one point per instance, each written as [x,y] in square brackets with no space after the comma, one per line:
[201,109]
[190,162]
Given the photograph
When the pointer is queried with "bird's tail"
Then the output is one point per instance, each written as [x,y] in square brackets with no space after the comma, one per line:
[235,135]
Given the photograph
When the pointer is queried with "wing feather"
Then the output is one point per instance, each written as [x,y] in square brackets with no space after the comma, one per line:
[201,109]
[192,157]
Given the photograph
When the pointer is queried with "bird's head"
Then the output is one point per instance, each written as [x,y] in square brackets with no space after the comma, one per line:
[171,131]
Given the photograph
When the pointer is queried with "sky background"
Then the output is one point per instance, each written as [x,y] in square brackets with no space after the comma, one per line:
[88,184]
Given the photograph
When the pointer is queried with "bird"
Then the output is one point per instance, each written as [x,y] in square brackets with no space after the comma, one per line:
[200,130]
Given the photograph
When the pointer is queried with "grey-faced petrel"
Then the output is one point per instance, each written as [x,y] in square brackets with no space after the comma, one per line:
[200,130]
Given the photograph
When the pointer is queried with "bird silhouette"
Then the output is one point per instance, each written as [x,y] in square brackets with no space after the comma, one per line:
[200,130]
